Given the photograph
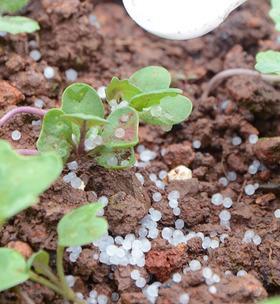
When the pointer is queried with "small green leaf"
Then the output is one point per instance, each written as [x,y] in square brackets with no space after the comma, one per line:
[116,158]
[121,90]
[271,301]
[268,62]
[170,111]
[11,6]
[122,130]
[24,178]
[81,226]
[56,134]
[151,78]
[39,260]
[83,99]
[146,100]
[13,269]
[275,13]
[90,120]
[18,24]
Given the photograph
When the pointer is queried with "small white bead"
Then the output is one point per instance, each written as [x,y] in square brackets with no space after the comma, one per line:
[196,144]
[176,278]
[223,181]
[16,135]
[195,265]
[227,203]
[277,213]
[71,75]
[236,141]
[135,274]
[257,240]
[157,197]
[35,55]
[212,289]
[184,298]
[217,199]
[249,190]
[241,273]
[141,282]
[179,224]
[225,215]
[49,72]
[253,139]
[39,103]
[232,176]
[101,91]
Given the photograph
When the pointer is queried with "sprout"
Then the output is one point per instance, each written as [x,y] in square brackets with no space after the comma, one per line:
[16,24]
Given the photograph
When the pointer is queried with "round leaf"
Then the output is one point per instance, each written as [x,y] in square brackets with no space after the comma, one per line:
[90,120]
[56,134]
[151,78]
[81,226]
[18,24]
[11,6]
[13,269]
[24,178]
[121,90]
[39,261]
[146,100]
[123,120]
[268,62]
[82,98]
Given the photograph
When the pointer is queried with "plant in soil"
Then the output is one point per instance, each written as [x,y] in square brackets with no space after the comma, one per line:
[80,124]
[15,24]
[79,227]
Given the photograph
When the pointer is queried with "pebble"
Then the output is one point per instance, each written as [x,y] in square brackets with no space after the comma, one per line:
[184,298]
[147,155]
[227,203]
[180,173]
[217,199]
[176,278]
[196,144]
[241,273]
[232,176]
[140,282]
[16,135]
[212,289]
[223,181]
[236,140]
[39,103]
[157,197]
[253,139]
[195,265]
[249,190]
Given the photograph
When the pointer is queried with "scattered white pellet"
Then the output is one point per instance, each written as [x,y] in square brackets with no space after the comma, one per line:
[241,273]
[207,273]
[70,280]
[112,161]
[140,282]
[277,213]
[194,265]
[162,174]
[49,72]
[227,203]
[39,103]
[212,289]
[147,155]
[249,190]
[35,55]
[232,176]
[176,278]
[224,215]
[179,224]
[196,144]
[135,274]
[72,165]
[236,141]
[176,211]
[184,298]
[253,139]
[217,199]
[223,181]
[257,240]
[16,135]
[102,299]
[157,197]
[71,75]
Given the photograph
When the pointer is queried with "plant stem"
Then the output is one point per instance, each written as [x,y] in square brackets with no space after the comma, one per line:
[38,279]
[21,110]
[220,77]
[27,151]
[81,146]
[68,292]
[46,271]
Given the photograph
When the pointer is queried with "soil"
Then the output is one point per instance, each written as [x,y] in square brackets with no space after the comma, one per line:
[116,46]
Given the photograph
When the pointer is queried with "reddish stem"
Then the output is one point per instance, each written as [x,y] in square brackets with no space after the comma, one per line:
[27,151]
[21,110]
[220,77]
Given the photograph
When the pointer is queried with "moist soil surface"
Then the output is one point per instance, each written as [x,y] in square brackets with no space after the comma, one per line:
[113,45]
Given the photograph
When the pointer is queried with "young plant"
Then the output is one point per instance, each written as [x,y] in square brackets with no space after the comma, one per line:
[15,24]
[21,174]
[80,227]
[274,13]
[80,124]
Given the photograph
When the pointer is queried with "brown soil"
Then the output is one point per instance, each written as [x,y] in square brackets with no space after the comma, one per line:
[118,48]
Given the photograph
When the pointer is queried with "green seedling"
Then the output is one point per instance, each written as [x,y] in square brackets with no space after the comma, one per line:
[21,173]
[268,62]
[271,301]
[15,24]
[148,91]
[80,124]
[80,227]
[274,13]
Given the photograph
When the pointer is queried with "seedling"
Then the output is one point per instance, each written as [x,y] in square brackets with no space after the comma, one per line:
[275,13]
[80,227]
[21,173]
[15,24]
[80,124]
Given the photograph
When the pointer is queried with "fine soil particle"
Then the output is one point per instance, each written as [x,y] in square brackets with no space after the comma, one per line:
[100,41]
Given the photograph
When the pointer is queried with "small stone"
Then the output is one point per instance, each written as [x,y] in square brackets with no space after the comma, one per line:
[135,274]
[140,282]
[241,273]
[257,240]
[224,215]
[70,280]
[223,181]
[196,144]
[180,173]
[179,224]
[184,298]
[195,265]
[232,176]
[102,299]
[212,289]
[227,203]
[176,278]
[39,103]
[236,141]
[207,273]
[147,155]
[217,199]
[157,197]
[277,213]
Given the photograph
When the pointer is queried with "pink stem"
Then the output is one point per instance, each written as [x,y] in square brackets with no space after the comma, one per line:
[21,110]
[220,77]
[27,151]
